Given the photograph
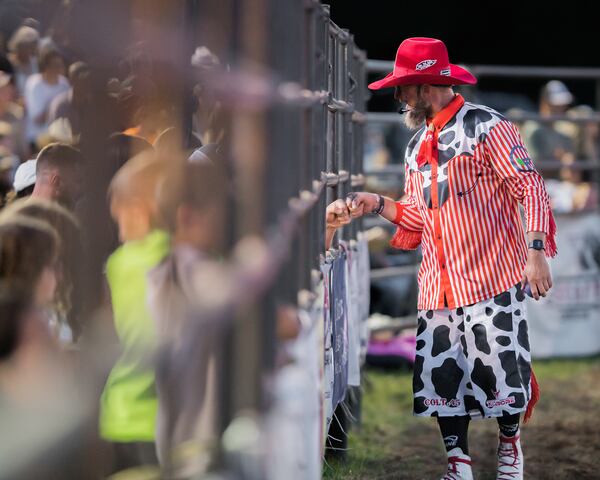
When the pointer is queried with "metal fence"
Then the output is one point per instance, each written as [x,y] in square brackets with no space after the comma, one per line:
[291,84]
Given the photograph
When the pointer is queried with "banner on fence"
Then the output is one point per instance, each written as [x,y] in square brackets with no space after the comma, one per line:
[567,321]
[339,316]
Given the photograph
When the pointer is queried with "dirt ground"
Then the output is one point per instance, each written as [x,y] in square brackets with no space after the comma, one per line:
[562,441]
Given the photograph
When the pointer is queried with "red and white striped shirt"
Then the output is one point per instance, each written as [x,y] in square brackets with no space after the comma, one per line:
[467,172]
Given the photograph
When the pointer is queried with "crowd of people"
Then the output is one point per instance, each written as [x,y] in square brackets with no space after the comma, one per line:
[567,142]
[154,226]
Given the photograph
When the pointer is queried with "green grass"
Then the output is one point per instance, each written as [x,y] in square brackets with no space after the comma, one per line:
[386,411]
[563,369]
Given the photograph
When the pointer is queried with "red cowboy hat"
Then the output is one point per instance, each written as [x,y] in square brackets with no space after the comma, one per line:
[424,61]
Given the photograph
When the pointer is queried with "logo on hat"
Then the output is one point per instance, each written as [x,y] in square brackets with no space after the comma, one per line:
[425,64]
[445,72]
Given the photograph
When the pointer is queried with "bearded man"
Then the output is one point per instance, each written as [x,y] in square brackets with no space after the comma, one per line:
[466,172]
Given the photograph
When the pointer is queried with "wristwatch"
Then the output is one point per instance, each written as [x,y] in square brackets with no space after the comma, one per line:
[380,205]
[536,244]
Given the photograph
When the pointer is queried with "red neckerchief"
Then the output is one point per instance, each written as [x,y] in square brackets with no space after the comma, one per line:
[434,127]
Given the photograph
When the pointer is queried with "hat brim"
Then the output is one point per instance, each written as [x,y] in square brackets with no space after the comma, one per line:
[458,76]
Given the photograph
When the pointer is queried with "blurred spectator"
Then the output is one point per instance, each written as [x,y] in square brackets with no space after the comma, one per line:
[126,104]
[555,98]
[544,141]
[25,344]
[208,121]
[12,135]
[569,193]
[129,403]
[15,305]
[58,174]
[70,104]
[23,47]
[585,135]
[567,142]
[138,72]
[45,407]
[152,117]
[65,323]
[58,131]
[187,376]
[28,256]
[40,90]
[24,181]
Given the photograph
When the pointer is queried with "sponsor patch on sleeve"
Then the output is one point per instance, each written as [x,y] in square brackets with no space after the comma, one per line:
[519,157]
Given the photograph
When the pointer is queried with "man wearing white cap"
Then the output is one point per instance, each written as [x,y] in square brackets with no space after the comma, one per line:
[58,174]
[24,180]
[466,172]
[549,141]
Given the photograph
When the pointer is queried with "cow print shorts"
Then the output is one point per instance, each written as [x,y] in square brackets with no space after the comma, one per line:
[473,360]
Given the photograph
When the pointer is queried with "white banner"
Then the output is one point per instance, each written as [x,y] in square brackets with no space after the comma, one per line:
[567,321]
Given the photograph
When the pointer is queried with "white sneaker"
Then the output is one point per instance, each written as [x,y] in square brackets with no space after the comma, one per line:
[510,458]
[459,466]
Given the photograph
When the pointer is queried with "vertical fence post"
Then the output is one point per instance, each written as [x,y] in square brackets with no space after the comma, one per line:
[321,150]
[332,121]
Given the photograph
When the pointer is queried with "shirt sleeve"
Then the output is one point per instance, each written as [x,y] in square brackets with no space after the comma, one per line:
[408,215]
[510,160]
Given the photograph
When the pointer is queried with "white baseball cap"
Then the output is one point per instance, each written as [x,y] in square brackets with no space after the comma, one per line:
[557,93]
[25,175]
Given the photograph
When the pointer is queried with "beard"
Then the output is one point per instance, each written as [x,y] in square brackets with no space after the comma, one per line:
[417,115]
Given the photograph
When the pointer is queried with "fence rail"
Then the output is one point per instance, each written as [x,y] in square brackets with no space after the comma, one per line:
[391,117]
[511,71]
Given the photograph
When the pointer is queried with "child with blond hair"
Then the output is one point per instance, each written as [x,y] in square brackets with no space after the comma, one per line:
[129,403]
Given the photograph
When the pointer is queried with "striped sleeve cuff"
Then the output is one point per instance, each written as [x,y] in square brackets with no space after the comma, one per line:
[537,209]
[408,216]
[399,213]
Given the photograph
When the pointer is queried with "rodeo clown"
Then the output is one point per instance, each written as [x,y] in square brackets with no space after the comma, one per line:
[466,172]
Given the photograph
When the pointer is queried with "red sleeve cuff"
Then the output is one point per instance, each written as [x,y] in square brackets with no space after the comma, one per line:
[405,239]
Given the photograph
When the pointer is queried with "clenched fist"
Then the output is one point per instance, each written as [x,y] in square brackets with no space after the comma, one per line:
[337,214]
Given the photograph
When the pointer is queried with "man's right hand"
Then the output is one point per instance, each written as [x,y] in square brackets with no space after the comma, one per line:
[361,203]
